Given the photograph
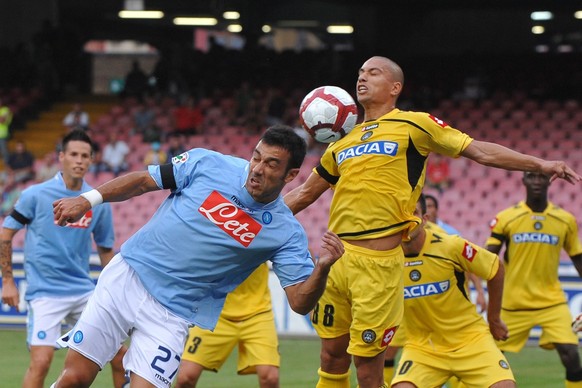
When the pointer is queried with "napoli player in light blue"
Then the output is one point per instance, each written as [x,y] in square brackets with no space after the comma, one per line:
[223,217]
[56,259]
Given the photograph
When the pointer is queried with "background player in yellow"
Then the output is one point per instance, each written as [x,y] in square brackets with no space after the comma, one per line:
[246,320]
[534,233]
[377,171]
[445,336]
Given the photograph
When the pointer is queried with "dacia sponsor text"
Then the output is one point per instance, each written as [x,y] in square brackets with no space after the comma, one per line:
[542,238]
[426,289]
[389,148]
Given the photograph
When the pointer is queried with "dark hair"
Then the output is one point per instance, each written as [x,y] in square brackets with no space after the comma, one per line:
[436,202]
[422,202]
[76,135]
[285,137]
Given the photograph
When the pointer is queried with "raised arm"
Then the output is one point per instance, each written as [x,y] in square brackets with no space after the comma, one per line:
[495,288]
[116,190]
[10,294]
[307,193]
[495,155]
[303,296]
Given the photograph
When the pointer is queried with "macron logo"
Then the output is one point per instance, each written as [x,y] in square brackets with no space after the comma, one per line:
[235,222]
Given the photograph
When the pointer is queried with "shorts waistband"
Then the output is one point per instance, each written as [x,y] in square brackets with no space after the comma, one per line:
[394,252]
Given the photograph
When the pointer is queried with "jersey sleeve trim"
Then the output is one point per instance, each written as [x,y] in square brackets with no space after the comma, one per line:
[499,237]
[167,174]
[20,218]
[326,175]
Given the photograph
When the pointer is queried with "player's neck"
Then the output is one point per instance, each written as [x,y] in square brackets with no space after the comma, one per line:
[414,246]
[537,205]
[375,112]
[73,184]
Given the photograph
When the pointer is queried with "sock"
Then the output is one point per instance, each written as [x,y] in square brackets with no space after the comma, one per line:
[388,370]
[329,380]
[574,380]
[573,384]
[53,385]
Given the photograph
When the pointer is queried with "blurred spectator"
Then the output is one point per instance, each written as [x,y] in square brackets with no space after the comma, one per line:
[175,146]
[144,116]
[9,197]
[97,166]
[20,165]
[277,105]
[155,155]
[438,173]
[114,154]
[77,118]
[5,120]
[48,168]
[188,117]
[136,82]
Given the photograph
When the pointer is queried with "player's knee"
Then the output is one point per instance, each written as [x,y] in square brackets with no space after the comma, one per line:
[269,377]
[40,365]
[74,378]
[187,379]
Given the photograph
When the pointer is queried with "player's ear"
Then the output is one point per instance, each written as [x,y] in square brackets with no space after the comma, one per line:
[396,88]
[291,174]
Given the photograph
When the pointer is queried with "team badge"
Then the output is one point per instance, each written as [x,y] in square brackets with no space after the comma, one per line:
[503,364]
[41,334]
[267,217]
[366,136]
[180,158]
[415,275]
[538,225]
[78,337]
[368,336]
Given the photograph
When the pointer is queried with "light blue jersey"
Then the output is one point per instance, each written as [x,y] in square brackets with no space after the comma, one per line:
[56,259]
[209,235]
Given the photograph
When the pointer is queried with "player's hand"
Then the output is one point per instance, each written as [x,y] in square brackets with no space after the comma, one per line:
[10,295]
[68,210]
[559,169]
[498,329]
[332,249]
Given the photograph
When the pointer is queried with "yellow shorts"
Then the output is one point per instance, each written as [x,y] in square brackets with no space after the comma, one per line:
[256,338]
[364,297]
[478,364]
[399,339]
[554,321]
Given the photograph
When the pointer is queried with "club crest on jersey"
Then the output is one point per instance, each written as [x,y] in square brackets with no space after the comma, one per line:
[438,121]
[426,289]
[388,335]
[83,223]
[469,252]
[538,225]
[180,158]
[368,336]
[389,148]
[503,364]
[415,275]
[540,238]
[228,217]
[366,136]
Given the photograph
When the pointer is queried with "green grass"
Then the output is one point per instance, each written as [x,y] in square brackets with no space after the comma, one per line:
[533,367]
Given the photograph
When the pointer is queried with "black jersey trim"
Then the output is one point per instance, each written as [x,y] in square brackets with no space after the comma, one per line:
[409,122]
[365,232]
[326,175]
[536,309]
[414,163]
[167,173]
[460,275]
[500,237]
[20,218]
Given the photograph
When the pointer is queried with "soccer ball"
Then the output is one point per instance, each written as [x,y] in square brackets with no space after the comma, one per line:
[577,324]
[328,113]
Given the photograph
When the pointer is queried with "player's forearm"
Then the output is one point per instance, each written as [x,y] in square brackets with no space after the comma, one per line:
[495,155]
[495,290]
[303,297]
[127,186]
[307,193]
[6,256]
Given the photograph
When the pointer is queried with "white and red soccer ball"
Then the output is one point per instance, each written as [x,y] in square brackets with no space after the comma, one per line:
[328,113]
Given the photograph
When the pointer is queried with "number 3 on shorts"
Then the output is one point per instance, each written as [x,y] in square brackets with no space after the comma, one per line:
[160,362]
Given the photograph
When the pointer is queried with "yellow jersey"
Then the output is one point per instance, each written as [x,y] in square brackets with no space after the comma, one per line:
[438,313]
[532,255]
[250,298]
[377,172]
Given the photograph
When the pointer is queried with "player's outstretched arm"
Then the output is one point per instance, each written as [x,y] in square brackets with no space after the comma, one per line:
[10,295]
[116,190]
[495,155]
[307,193]
[495,288]
[303,296]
